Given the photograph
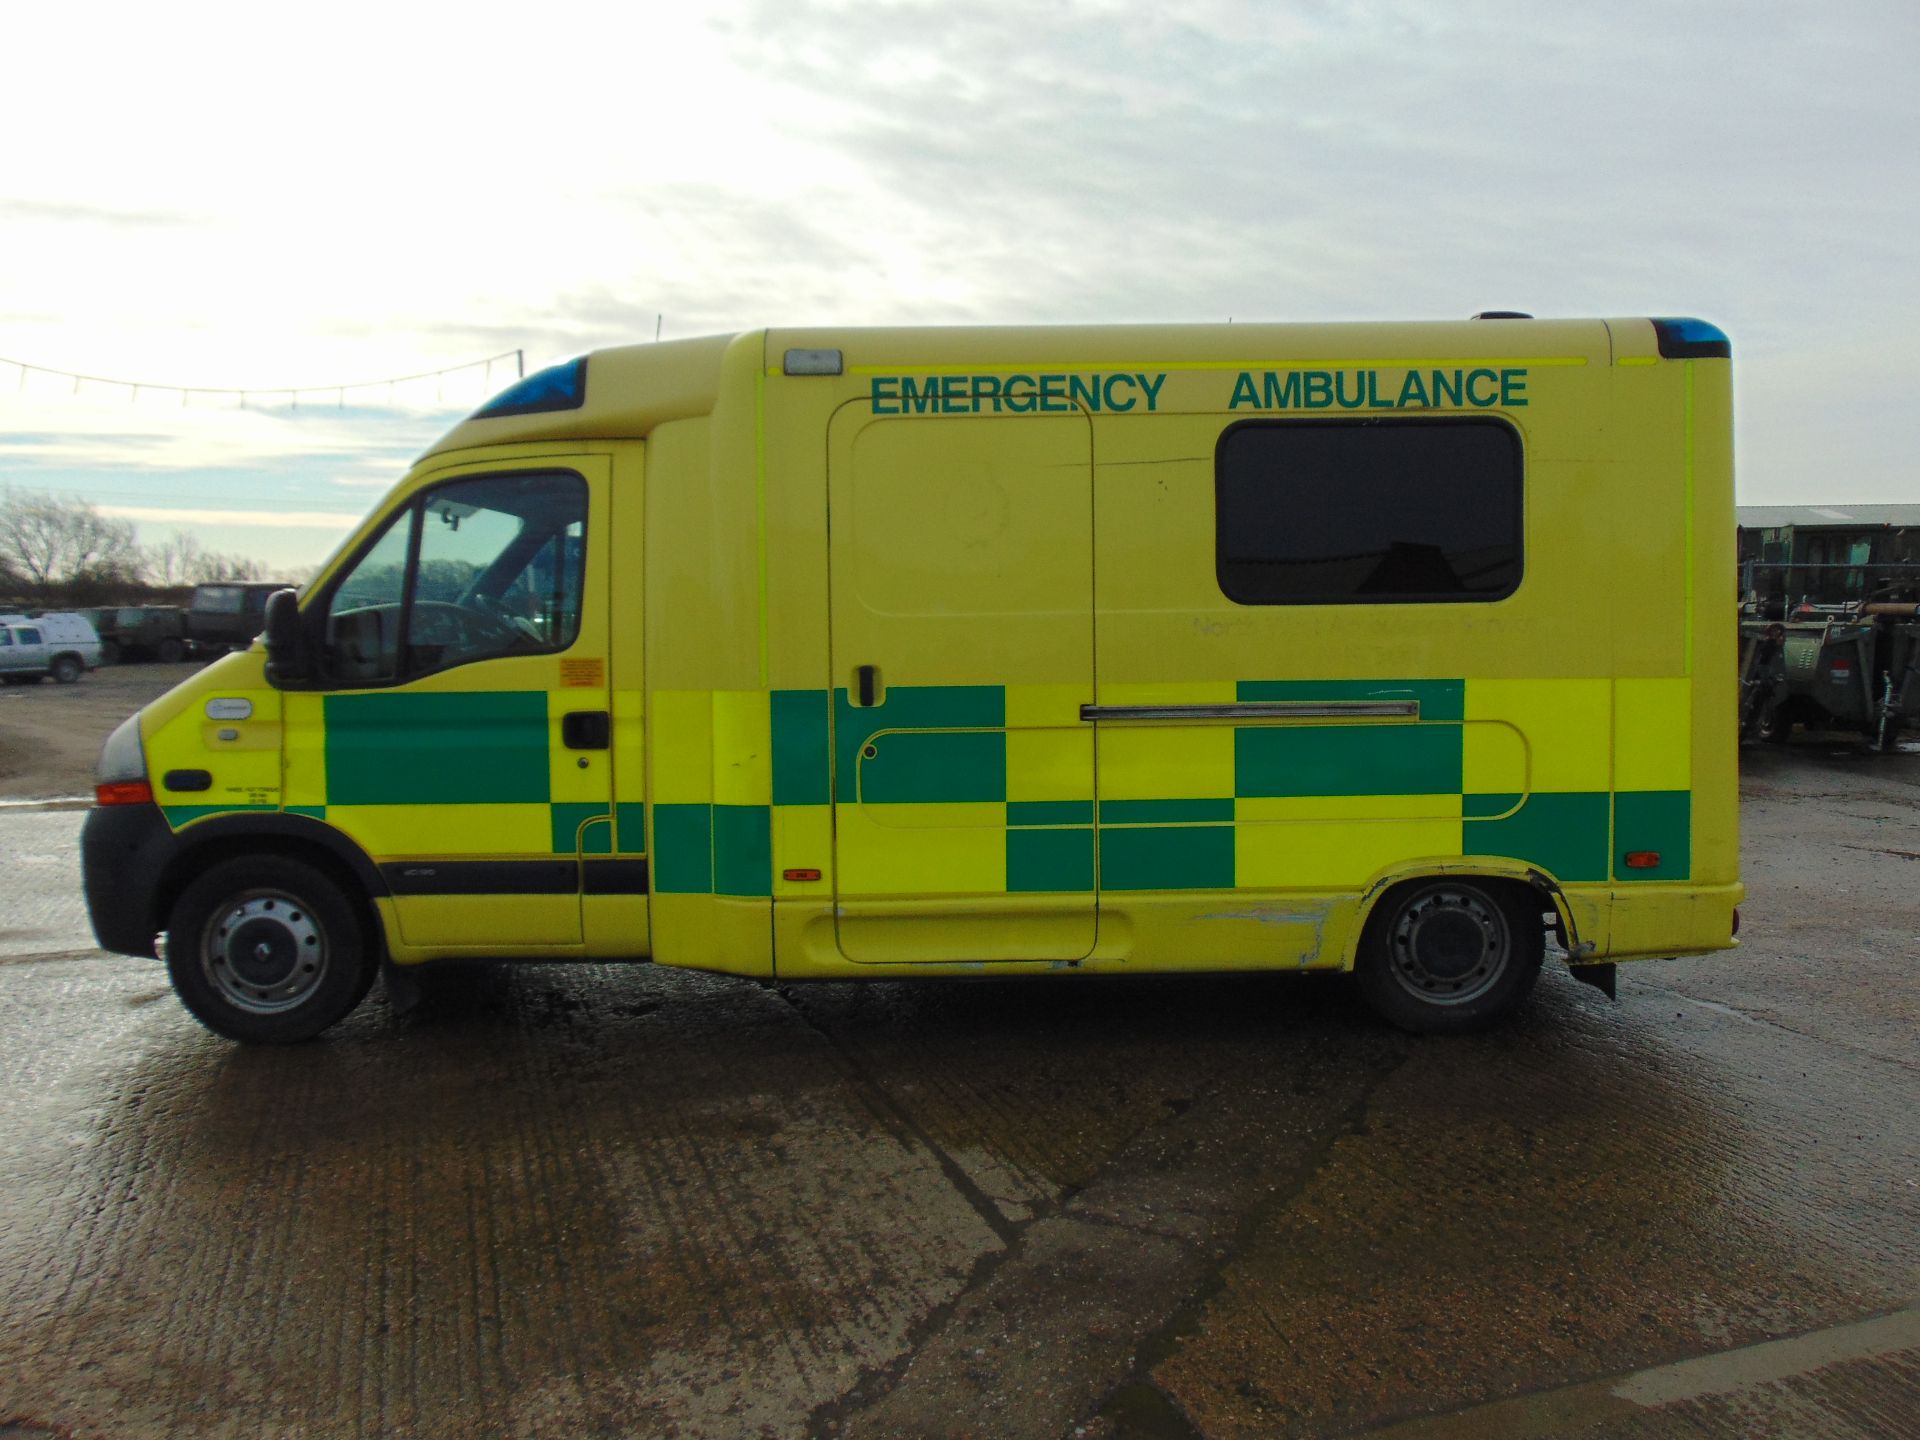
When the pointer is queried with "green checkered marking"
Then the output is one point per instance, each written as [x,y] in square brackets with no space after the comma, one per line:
[568,839]
[1057,859]
[713,849]
[470,748]
[1563,832]
[948,746]
[1660,820]
[742,850]
[630,827]
[682,860]
[1167,857]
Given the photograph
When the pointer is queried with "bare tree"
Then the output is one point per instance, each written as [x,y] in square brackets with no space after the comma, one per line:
[172,562]
[51,541]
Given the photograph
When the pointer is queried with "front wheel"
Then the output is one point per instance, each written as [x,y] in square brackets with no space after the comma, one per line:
[267,950]
[172,652]
[1442,957]
[66,669]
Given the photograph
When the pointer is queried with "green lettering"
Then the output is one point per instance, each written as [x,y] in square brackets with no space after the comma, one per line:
[1513,387]
[953,395]
[1340,390]
[886,388]
[1151,384]
[986,387]
[1412,392]
[1113,404]
[922,399]
[1085,393]
[1022,400]
[1282,396]
[1373,391]
[1493,395]
[1445,391]
[1053,393]
[1316,389]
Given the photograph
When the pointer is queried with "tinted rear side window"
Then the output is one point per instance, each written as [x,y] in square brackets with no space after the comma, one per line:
[1354,512]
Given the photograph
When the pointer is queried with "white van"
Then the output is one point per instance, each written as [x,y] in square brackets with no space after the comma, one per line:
[33,647]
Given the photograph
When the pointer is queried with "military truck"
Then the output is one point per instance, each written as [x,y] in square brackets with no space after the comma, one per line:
[141,632]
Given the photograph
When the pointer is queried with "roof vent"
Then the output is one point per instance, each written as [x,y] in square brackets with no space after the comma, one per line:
[1503,315]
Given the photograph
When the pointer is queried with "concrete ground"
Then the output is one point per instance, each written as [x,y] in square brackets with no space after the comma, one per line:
[578,1201]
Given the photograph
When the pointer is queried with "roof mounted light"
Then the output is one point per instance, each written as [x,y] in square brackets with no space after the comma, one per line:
[558,387]
[813,362]
[1682,339]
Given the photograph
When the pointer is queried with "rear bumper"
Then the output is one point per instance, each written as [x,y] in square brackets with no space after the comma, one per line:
[124,852]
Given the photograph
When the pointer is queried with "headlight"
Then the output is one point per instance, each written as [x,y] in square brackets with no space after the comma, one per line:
[122,759]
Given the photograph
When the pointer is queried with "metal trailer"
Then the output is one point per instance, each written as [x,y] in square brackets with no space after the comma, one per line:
[1856,669]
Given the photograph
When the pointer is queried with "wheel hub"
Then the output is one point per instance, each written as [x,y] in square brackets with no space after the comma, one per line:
[1450,946]
[264,952]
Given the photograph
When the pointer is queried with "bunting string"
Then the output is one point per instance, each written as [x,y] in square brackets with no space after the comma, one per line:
[291,394]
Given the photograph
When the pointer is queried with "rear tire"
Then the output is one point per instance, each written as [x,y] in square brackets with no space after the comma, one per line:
[66,669]
[268,950]
[1446,956]
[172,652]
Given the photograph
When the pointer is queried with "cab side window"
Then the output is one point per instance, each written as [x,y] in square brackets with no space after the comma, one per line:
[471,570]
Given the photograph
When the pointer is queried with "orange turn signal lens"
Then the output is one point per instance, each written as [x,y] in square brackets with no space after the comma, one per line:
[1643,859]
[799,874]
[123,792]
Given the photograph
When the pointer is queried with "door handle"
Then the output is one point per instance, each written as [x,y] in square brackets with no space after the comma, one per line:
[586,729]
[866,686]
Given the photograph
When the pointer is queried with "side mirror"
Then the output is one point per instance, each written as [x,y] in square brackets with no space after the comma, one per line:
[288,659]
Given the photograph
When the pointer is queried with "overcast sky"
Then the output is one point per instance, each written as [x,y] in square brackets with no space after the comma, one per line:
[261,196]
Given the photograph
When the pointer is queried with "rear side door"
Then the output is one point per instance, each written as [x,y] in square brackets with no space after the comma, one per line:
[461,737]
[961,584]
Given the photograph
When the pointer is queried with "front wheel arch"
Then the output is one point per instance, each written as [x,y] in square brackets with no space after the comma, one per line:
[266,949]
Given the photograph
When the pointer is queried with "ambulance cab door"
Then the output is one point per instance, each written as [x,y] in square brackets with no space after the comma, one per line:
[961,594]
[459,731]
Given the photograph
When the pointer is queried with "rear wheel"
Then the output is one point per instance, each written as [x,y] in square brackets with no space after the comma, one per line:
[66,669]
[172,652]
[268,950]
[1443,957]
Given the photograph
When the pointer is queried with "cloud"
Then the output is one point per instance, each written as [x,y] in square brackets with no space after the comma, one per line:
[336,522]
[15,209]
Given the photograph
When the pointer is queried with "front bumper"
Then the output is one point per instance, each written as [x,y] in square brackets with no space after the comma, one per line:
[124,852]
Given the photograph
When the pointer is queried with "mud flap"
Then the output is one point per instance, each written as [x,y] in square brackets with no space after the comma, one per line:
[1598,976]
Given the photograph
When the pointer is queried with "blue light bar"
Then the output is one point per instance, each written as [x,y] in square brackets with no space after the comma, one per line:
[1692,340]
[558,387]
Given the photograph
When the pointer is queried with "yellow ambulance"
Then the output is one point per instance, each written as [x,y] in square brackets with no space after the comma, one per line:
[1403,649]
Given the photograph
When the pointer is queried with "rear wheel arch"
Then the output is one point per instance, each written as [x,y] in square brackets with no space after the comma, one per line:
[1454,948]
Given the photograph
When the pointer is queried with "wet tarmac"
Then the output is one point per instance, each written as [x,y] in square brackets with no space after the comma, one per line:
[580,1201]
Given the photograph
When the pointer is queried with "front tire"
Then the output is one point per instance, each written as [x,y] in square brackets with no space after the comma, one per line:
[1444,957]
[66,669]
[268,950]
[172,652]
